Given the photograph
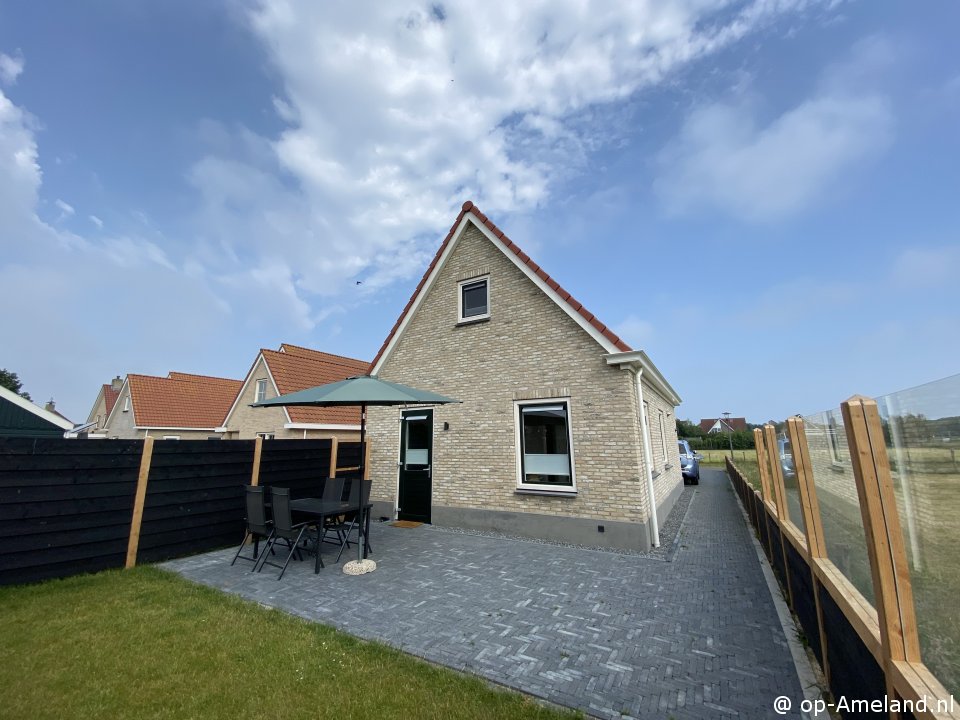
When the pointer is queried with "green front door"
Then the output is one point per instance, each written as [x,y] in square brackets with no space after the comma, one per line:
[416,456]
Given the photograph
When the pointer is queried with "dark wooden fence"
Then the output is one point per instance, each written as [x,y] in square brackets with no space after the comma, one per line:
[71,506]
[865,652]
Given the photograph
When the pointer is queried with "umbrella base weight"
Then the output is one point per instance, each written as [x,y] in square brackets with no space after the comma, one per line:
[359,567]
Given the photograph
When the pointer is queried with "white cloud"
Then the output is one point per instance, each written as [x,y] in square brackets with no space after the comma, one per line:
[96,221]
[398,114]
[635,331]
[927,268]
[10,68]
[66,210]
[725,159]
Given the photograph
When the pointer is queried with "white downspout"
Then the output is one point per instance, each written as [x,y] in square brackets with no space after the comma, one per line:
[648,461]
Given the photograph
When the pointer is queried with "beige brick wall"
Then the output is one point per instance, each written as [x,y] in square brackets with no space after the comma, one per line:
[245,422]
[529,348]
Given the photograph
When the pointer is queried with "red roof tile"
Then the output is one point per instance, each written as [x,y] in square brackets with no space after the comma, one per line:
[469,207]
[110,397]
[298,368]
[181,401]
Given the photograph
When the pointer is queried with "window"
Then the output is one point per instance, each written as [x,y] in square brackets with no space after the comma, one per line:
[545,446]
[663,437]
[261,390]
[126,404]
[171,437]
[266,435]
[474,300]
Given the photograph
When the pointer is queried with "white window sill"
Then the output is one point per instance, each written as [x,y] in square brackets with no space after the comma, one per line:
[549,493]
[473,321]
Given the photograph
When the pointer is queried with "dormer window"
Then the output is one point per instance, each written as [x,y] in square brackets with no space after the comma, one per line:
[261,390]
[474,300]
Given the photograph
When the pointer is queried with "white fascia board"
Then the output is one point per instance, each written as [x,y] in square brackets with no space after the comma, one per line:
[159,427]
[96,402]
[116,405]
[260,358]
[319,426]
[640,359]
[36,409]
[468,218]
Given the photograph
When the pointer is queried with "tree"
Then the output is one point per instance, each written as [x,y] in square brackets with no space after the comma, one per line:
[688,429]
[11,382]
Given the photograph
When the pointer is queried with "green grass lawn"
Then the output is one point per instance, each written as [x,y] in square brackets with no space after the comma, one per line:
[145,643]
[745,460]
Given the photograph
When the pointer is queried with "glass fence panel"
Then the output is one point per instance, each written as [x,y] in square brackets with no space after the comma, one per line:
[922,432]
[837,496]
[788,471]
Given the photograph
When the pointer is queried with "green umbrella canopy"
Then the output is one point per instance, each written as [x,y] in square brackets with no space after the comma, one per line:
[360,390]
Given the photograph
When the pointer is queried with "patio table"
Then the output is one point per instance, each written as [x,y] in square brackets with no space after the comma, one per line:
[320,510]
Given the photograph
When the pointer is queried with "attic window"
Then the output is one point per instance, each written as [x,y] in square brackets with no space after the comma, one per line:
[473,300]
[261,390]
[126,404]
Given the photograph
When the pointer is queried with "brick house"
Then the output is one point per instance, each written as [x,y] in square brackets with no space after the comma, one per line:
[106,399]
[180,406]
[287,370]
[718,425]
[549,440]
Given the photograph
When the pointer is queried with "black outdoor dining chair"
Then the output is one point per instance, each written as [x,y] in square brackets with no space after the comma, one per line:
[258,526]
[333,492]
[283,529]
[359,497]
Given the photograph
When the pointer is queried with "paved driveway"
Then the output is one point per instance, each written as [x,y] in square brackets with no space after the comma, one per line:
[695,636]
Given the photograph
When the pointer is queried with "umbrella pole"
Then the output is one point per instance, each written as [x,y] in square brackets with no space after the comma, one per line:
[361,538]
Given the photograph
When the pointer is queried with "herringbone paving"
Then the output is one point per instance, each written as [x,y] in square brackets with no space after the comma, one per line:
[611,634]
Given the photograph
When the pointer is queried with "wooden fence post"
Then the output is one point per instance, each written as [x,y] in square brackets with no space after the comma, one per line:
[780,494]
[334,444]
[812,522]
[257,453]
[134,540]
[881,524]
[765,494]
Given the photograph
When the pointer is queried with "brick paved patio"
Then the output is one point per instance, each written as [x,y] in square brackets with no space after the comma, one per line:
[613,635]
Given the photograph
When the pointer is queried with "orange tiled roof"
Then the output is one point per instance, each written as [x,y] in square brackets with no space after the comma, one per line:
[110,397]
[181,400]
[469,207]
[298,368]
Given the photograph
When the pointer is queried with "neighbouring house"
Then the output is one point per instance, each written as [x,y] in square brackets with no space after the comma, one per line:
[106,399]
[21,418]
[287,370]
[563,431]
[180,406]
[717,425]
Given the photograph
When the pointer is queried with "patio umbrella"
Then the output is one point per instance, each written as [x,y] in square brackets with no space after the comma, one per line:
[362,390]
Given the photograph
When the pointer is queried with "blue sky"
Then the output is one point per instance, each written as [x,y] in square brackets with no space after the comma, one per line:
[762,194]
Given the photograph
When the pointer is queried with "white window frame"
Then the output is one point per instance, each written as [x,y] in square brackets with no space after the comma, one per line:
[126,403]
[472,281]
[170,437]
[663,437]
[261,386]
[267,435]
[518,406]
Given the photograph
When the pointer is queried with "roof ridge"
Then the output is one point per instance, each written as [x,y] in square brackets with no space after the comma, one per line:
[320,352]
[322,361]
[576,306]
[187,377]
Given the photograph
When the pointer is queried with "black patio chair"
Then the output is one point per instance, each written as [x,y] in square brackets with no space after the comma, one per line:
[283,529]
[258,526]
[333,492]
[359,496]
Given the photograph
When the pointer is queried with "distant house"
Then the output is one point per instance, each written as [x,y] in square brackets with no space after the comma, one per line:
[180,406]
[106,399]
[717,425]
[21,418]
[563,431]
[287,370]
